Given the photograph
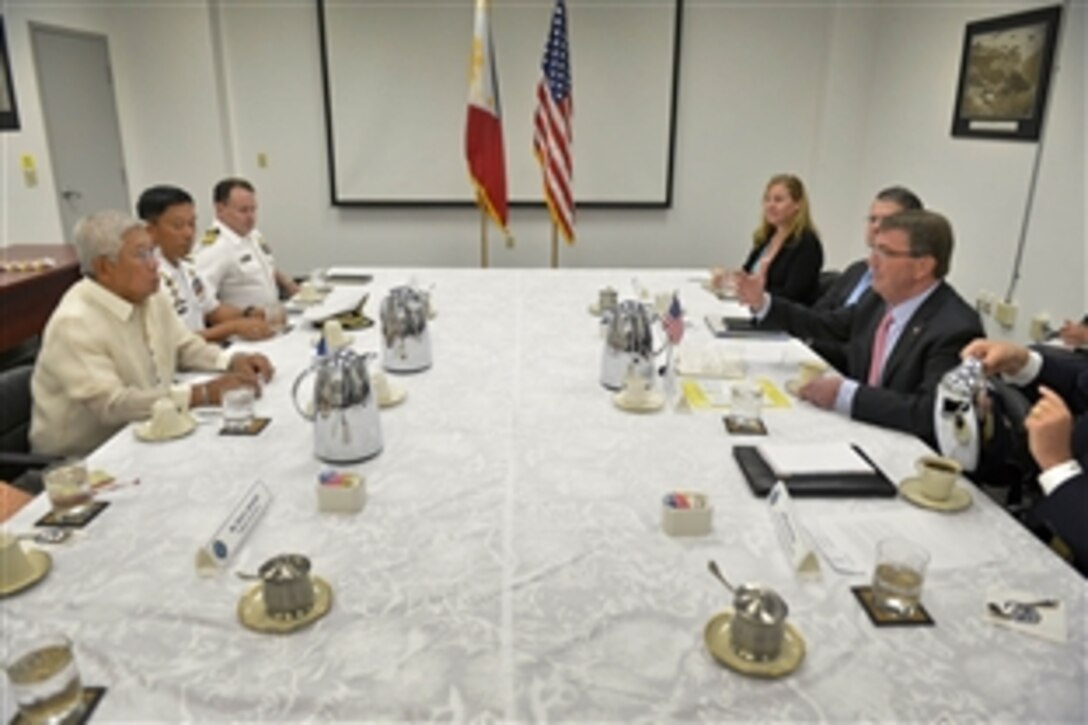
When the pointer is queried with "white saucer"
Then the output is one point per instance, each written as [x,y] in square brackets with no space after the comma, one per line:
[718,642]
[40,563]
[654,400]
[396,397]
[911,489]
[252,612]
[144,433]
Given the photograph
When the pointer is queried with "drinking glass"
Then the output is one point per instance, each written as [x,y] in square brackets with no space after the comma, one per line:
[68,486]
[275,315]
[44,677]
[237,408]
[898,576]
[747,401]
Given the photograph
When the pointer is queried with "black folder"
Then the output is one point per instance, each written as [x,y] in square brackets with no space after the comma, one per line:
[739,327]
[854,485]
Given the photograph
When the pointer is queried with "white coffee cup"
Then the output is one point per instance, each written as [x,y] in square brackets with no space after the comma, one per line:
[15,565]
[166,418]
[307,291]
[333,332]
[635,388]
[809,370]
[937,475]
[380,382]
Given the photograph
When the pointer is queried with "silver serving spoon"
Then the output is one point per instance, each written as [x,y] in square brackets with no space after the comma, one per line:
[713,567]
[1026,612]
[46,536]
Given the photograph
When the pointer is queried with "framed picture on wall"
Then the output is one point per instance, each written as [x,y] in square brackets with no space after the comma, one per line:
[9,113]
[1005,75]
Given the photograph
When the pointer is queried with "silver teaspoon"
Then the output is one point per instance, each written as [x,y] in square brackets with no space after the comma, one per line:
[713,567]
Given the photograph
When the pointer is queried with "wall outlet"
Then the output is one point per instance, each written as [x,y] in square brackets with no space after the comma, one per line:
[1040,328]
[1005,314]
[985,303]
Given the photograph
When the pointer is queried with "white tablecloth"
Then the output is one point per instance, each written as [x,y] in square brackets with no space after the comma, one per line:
[509,564]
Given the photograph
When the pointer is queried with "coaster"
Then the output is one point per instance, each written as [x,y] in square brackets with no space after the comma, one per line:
[73,521]
[880,618]
[91,696]
[255,427]
[744,426]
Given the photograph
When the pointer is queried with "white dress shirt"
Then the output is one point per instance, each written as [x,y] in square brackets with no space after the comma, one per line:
[104,362]
[239,270]
[192,299]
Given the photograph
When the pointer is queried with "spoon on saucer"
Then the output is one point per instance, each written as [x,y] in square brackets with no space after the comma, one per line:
[713,567]
[45,536]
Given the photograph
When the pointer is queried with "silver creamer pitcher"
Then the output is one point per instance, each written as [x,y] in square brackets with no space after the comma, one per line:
[345,408]
[406,341]
[628,345]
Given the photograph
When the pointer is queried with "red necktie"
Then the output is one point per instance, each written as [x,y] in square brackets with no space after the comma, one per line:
[880,342]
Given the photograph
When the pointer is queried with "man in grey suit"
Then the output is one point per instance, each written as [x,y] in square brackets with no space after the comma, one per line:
[900,340]
[855,280]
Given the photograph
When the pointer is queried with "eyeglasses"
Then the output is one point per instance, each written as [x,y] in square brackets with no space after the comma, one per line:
[144,254]
[885,252]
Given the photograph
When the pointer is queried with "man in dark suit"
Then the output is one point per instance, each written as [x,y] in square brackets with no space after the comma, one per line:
[854,282]
[900,340]
[1057,428]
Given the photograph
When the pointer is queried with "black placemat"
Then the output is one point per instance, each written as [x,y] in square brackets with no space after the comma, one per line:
[761,478]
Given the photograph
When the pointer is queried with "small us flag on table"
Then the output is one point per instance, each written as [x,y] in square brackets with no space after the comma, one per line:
[673,321]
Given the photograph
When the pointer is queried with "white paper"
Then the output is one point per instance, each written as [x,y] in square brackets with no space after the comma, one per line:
[349,273]
[792,535]
[1052,619]
[232,533]
[848,541]
[338,301]
[788,459]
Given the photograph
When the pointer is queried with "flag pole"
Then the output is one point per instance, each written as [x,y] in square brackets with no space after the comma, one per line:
[555,246]
[483,238]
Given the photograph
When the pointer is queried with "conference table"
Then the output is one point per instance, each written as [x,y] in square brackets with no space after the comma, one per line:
[510,564]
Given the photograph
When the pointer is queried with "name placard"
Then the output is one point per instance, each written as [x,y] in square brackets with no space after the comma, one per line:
[793,537]
[232,533]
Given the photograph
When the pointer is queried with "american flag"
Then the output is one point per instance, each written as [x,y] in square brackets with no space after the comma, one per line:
[673,322]
[552,130]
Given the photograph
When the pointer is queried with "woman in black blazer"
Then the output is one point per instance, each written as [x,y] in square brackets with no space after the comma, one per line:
[786,248]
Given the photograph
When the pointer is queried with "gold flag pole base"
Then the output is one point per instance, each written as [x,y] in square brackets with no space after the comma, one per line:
[555,246]
[484,262]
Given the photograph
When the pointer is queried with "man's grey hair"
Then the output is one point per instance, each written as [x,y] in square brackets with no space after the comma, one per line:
[102,234]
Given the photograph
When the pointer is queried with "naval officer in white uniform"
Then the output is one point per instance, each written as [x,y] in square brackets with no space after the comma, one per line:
[233,257]
[171,222]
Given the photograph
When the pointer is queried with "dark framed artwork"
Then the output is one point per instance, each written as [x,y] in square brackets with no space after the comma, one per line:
[9,113]
[1005,75]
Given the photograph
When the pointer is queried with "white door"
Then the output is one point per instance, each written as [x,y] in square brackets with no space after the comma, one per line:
[76,87]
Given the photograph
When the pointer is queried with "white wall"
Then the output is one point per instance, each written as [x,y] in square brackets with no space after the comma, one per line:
[850,97]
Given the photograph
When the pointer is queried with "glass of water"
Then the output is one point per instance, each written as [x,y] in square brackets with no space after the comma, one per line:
[238,408]
[898,576]
[44,677]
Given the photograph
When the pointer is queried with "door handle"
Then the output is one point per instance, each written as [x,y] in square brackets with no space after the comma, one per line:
[71,195]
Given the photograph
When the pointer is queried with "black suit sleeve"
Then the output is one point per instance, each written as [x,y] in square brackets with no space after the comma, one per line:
[1066,513]
[906,401]
[807,323]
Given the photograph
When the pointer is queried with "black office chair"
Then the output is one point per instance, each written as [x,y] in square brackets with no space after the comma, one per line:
[18,465]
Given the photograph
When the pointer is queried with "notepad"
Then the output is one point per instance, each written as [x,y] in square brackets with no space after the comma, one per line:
[808,459]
